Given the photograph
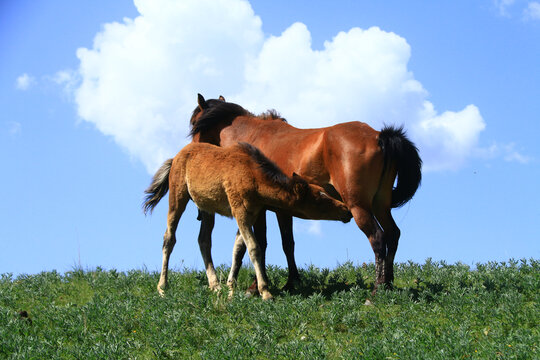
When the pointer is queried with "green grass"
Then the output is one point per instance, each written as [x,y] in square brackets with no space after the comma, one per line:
[436,311]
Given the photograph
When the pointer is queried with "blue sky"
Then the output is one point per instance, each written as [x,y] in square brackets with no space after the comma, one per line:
[81,131]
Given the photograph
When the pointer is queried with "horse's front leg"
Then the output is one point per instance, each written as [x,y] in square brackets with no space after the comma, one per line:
[205,245]
[286,228]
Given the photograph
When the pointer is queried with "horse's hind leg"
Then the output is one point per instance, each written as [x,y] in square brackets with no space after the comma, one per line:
[366,222]
[286,228]
[391,235]
[205,245]
[176,208]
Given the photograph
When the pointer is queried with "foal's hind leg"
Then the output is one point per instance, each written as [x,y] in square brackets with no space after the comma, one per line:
[176,208]
[205,245]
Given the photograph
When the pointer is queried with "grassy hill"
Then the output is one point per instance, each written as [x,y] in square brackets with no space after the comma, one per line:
[436,311]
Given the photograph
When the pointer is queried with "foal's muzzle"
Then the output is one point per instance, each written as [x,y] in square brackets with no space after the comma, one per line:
[347,218]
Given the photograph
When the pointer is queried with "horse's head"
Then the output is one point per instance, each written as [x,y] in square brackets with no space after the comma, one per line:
[203,105]
[315,203]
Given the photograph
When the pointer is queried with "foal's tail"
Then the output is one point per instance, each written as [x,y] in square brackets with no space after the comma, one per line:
[398,149]
[158,188]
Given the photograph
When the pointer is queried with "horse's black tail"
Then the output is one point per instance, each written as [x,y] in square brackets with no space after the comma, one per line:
[398,149]
[158,188]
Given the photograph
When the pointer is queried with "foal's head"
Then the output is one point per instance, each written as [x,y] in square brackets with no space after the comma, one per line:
[314,203]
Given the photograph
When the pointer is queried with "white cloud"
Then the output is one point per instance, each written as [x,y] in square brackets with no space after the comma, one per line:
[532,12]
[24,82]
[308,227]
[139,81]
[503,5]
[14,128]
[447,139]
[315,228]
[506,151]
[68,79]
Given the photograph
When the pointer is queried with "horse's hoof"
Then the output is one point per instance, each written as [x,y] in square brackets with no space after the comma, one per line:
[267,296]
[291,286]
[161,292]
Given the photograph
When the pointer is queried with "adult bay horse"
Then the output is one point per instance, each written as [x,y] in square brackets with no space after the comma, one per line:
[351,160]
[241,183]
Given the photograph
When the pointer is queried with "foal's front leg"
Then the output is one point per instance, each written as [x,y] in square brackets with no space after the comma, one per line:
[239,250]
[255,254]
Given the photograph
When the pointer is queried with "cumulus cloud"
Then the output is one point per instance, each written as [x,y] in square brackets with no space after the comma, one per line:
[140,79]
[13,128]
[508,152]
[24,82]
[532,12]
[447,139]
[69,79]
[503,5]
[308,227]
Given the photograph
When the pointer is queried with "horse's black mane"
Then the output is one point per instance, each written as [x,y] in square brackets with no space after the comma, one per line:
[223,112]
[217,112]
[211,103]
[272,115]
[268,167]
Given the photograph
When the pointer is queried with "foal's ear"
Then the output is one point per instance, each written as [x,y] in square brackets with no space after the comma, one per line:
[221,98]
[300,185]
[202,103]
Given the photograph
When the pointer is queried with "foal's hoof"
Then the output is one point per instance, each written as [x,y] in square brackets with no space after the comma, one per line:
[267,296]
[161,291]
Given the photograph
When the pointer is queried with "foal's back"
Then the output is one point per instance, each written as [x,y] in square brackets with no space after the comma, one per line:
[213,176]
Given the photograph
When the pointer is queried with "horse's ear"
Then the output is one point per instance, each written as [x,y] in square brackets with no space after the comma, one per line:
[221,98]
[202,103]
